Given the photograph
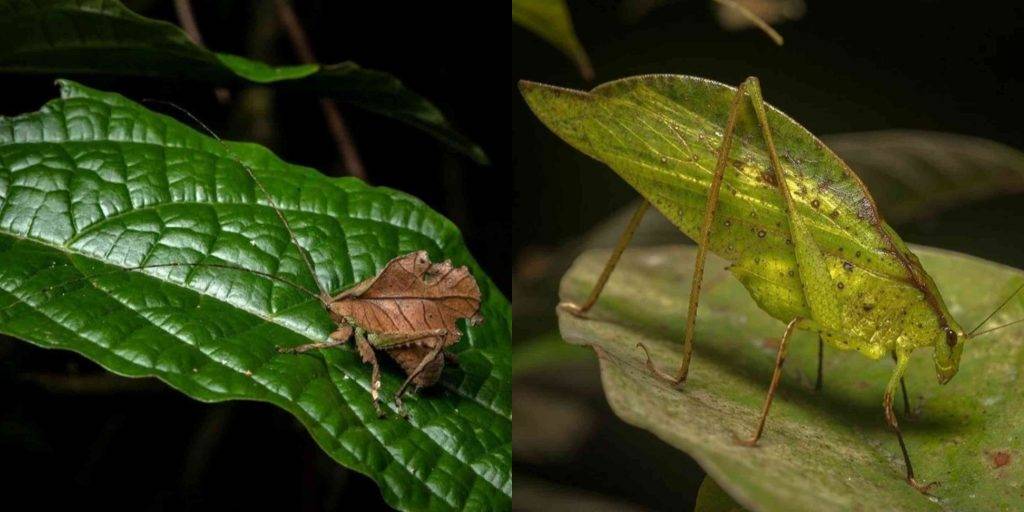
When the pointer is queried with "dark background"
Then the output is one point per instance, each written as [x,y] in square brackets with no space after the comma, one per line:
[845,66]
[72,434]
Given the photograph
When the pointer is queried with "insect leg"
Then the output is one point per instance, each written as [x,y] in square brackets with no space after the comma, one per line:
[814,276]
[821,351]
[338,337]
[776,375]
[613,260]
[702,246]
[902,361]
[419,369]
[390,339]
[903,388]
[368,356]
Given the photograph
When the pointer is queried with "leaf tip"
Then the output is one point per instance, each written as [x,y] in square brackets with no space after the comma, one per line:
[66,87]
[477,154]
[529,90]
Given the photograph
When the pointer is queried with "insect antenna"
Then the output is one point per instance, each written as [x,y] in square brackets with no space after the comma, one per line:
[281,280]
[986,331]
[993,313]
[324,297]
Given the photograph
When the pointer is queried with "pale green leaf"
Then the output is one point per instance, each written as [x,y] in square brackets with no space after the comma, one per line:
[820,451]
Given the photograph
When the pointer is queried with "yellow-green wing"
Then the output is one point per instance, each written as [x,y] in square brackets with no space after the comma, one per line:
[661,132]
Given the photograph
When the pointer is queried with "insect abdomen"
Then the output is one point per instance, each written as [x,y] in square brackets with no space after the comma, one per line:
[410,357]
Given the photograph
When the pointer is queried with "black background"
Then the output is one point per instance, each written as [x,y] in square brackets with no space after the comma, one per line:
[845,66]
[73,435]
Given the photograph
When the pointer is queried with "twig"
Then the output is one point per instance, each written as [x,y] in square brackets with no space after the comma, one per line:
[188,22]
[753,18]
[335,122]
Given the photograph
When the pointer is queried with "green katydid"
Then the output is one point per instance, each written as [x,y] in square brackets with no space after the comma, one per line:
[799,228]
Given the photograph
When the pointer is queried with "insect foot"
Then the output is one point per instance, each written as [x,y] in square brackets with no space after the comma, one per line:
[573,309]
[922,488]
[750,443]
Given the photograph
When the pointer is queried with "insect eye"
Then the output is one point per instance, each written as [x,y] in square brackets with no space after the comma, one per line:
[950,337]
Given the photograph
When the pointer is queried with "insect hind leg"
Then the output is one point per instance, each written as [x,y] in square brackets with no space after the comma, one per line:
[433,354]
[702,246]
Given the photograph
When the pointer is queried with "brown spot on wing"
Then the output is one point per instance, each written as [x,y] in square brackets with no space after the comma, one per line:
[999,459]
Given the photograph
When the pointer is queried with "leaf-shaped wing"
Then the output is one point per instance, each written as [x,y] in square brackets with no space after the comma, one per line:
[661,134]
[411,295]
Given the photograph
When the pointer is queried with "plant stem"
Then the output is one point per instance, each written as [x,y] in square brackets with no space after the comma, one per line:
[332,115]
[187,19]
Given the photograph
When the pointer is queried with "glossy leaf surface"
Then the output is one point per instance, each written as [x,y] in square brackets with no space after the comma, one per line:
[93,184]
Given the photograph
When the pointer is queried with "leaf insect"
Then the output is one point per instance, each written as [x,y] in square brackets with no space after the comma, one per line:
[408,310]
[802,235]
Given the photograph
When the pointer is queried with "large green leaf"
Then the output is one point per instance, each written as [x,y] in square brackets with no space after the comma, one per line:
[916,173]
[93,182]
[104,37]
[712,498]
[827,451]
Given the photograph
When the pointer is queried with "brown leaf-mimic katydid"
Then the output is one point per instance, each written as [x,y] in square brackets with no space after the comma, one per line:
[409,309]
[799,228]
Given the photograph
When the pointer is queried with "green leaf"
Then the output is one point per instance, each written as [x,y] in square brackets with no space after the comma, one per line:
[93,183]
[826,451]
[712,498]
[104,37]
[550,20]
[914,173]
[545,351]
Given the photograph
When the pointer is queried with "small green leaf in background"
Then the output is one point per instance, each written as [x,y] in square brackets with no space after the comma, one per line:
[93,183]
[550,20]
[65,37]
[916,173]
[825,451]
